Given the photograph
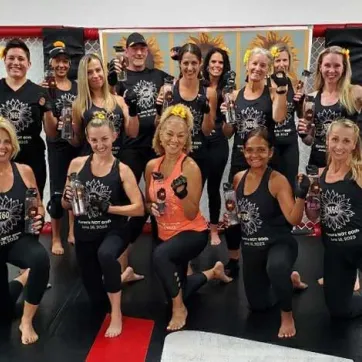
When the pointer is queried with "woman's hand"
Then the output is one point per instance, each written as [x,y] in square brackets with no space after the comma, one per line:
[154,209]
[38,224]
[226,220]
[68,194]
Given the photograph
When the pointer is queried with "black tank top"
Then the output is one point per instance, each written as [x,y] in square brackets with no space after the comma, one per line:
[94,224]
[251,114]
[324,116]
[217,134]
[341,211]
[286,132]
[198,137]
[262,221]
[12,209]
[116,116]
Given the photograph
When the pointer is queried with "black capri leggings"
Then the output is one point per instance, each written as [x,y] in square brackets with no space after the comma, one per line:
[267,275]
[340,270]
[217,157]
[24,253]
[171,258]
[100,269]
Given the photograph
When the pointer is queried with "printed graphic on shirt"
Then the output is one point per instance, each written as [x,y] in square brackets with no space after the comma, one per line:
[336,210]
[98,191]
[18,113]
[63,100]
[290,116]
[325,118]
[198,118]
[146,93]
[249,216]
[10,214]
[248,119]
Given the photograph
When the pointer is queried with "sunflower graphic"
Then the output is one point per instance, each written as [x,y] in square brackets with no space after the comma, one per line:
[10,214]
[155,57]
[206,41]
[18,113]
[95,189]
[249,217]
[272,38]
[248,119]
[325,118]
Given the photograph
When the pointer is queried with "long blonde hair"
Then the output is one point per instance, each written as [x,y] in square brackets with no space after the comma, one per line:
[84,98]
[344,86]
[255,51]
[356,159]
[8,127]
[178,111]
[275,51]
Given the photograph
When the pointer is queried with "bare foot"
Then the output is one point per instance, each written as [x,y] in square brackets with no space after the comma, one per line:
[28,334]
[214,235]
[189,270]
[57,248]
[130,276]
[178,319]
[321,281]
[287,327]
[297,283]
[115,327]
[219,273]
[356,285]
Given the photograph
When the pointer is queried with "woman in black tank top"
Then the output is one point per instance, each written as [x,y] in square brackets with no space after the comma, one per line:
[202,101]
[16,247]
[111,196]
[94,97]
[335,98]
[266,209]
[341,218]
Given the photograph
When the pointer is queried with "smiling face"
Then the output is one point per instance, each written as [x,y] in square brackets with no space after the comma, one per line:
[137,56]
[6,147]
[173,135]
[281,62]
[257,152]
[95,74]
[16,63]
[101,139]
[61,65]
[190,66]
[216,65]
[332,68]
[258,67]
[340,143]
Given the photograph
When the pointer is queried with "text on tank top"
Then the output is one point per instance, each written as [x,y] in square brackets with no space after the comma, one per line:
[341,211]
[261,218]
[12,204]
[108,188]
[174,220]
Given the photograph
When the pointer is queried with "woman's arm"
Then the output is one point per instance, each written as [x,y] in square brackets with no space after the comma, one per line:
[50,124]
[357,94]
[279,105]
[148,175]
[131,123]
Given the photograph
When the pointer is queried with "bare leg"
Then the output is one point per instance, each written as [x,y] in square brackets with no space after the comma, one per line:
[189,269]
[297,282]
[356,284]
[28,334]
[71,238]
[57,247]
[115,326]
[23,277]
[287,327]
[123,259]
[320,281]
[214,234]
[179,313]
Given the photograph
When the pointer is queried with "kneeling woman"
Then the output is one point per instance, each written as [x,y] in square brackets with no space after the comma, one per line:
[266,206]
[17,247]
[182,230]
[109,184]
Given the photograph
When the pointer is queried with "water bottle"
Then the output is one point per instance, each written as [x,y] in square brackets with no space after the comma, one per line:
[230,116]
[50,79]
[67,118]
[168,93]
[160,191]
[124,62]
[231,203]
[31,209]
[79,198]
[312,201]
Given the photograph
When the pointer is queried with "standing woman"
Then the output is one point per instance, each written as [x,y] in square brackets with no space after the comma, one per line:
[111,196]
[202,101]
[24,104]
[17,247]
[60,151]
[215,68]
[256,105]
[182,230]
[266,208]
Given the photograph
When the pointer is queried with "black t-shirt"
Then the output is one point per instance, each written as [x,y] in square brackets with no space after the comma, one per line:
[146,84]
[25,109]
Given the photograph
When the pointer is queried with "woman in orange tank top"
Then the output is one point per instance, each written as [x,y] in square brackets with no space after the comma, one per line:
[173,192]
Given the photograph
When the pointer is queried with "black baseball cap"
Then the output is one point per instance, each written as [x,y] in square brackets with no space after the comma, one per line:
[59,49]
[134,39]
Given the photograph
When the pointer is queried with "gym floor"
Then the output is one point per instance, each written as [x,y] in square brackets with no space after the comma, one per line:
[67,327]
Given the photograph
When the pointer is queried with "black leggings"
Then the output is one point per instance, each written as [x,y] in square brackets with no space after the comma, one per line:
[100,269]
[217,157]
[171,258]
[340,270]
[24,253]
[202,161]
[267,275]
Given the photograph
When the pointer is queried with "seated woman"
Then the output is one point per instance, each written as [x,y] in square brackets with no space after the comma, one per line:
[266,206]
[182,230]
[17,247]
[108,184]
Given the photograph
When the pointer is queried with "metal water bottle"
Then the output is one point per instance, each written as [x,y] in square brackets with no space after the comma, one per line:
[79,197]
[31,209]
[227,92]
[231,203]
[160,192]
[67,118]
[312,201]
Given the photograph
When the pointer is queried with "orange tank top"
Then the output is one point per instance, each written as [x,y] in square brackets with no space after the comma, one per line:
[173,221]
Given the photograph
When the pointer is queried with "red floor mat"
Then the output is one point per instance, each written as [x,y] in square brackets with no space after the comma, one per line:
[130,346]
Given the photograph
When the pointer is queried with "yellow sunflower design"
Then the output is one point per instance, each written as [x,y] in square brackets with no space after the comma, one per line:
[206,41]
[155,57]
[272,38]
[2,52]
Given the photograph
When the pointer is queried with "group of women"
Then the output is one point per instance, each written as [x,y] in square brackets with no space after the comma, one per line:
[121,130]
